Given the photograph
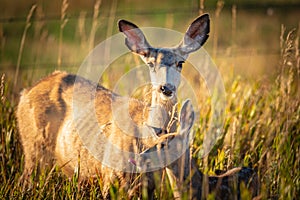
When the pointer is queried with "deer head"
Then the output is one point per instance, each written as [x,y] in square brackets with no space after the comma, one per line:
[165,64]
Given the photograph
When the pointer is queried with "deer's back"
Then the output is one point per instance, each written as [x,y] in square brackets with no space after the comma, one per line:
[46,122]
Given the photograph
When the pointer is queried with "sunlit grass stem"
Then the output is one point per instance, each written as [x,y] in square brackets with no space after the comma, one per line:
[63,22]
[27,25]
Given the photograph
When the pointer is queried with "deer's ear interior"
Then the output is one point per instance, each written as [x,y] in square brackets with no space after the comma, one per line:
[135,39]
[196,35]
[125,25]
[187,115]
[199,29]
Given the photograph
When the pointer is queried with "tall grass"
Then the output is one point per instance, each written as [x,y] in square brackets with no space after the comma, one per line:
[28,24]
[262,130]
[63,22]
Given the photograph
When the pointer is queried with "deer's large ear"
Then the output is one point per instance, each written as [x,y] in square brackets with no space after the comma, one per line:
[187,117]
[196,35]
[135,39]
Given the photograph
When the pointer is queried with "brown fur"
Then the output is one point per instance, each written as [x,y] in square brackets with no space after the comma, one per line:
[46,108]
[46,111]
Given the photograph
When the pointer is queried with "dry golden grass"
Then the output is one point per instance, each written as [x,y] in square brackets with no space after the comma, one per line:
[262,125]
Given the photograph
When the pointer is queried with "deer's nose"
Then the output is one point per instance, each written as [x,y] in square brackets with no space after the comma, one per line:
[167,89]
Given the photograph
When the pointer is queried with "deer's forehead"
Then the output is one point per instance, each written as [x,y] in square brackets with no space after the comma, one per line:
[165,56]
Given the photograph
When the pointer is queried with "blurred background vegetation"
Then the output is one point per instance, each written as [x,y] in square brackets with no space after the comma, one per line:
[244,34]
[255,45]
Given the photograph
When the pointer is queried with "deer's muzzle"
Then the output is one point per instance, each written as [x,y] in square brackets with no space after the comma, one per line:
[167,90]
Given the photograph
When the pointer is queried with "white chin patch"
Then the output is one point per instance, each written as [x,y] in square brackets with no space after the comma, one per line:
[164,97]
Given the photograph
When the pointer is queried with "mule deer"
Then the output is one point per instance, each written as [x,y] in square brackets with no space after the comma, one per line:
[50,132]
[185,177]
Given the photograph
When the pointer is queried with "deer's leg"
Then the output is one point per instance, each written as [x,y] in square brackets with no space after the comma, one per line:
[38,125]
[28,133]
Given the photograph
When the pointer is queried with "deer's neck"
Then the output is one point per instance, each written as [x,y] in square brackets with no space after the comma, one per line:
[162,113]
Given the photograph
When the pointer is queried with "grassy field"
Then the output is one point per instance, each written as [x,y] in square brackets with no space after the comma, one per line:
[260,65]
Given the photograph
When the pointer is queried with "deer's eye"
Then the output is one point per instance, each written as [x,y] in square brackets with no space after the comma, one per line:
[179,65]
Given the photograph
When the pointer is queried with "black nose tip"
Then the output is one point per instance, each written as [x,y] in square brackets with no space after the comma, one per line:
[166,90]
